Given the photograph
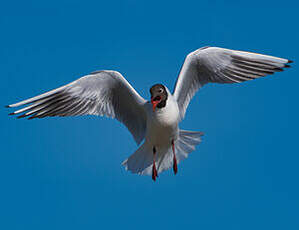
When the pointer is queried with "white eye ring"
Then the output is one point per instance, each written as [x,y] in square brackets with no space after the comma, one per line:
[161,90]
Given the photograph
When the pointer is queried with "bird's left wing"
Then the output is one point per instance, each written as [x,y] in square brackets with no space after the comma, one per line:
[219,65]
[103,93]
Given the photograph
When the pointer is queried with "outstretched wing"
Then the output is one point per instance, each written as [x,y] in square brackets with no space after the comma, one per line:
[219,65]
[103,93]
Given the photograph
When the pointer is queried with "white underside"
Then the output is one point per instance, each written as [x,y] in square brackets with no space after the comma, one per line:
[141,162]
[162,129]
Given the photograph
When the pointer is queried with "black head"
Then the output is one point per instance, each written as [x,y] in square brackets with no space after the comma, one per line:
[159,96]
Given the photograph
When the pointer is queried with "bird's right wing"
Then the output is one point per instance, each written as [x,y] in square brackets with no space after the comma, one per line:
[219,65]
[104,93]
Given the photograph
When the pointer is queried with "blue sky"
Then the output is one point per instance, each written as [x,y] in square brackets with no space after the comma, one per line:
[65,173]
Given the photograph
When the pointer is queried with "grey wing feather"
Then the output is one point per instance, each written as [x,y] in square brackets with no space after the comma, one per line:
[103,93]
[219,65]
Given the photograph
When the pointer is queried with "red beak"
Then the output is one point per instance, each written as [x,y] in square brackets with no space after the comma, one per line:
[155,101]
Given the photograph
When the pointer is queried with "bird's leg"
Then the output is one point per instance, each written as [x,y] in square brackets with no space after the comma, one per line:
[175,165]
[154,171]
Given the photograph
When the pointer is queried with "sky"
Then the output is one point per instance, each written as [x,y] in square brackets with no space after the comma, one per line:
[66,173]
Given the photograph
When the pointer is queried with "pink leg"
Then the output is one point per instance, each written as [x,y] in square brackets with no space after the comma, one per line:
[154,171]
[175,165]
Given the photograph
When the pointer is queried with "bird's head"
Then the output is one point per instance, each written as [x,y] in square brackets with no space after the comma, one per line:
[159,96]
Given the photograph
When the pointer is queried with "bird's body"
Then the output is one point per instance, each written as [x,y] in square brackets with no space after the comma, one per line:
[154,122]
[162,124]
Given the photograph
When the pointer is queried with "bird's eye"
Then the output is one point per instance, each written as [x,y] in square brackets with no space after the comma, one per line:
[161,90]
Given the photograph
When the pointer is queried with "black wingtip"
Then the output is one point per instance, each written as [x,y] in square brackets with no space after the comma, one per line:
[21,116]
[290,61]
[278,69]
[7,106]
[287,66]
[11,114]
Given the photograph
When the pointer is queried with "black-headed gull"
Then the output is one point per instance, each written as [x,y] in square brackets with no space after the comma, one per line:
[156,122]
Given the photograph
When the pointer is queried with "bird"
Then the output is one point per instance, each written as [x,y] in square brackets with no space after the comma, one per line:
[153,123]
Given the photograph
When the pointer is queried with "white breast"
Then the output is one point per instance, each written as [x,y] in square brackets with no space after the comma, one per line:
[162,124]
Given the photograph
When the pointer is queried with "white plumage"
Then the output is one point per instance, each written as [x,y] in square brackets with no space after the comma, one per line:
[107,93]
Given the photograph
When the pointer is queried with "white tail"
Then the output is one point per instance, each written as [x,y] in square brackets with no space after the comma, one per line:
[141,161]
